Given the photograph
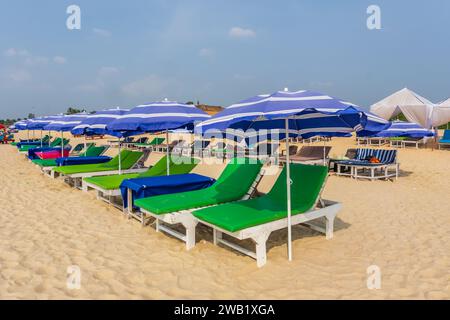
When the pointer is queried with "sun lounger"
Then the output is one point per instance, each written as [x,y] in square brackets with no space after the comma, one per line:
[238,181]
[52,154]
[36,143]
[387,158]
[196,149]
[257,218]
[24,148]
[151,144]
[132,144]
[372,141]
[350,154]
[90,156]
[55,145]
[263,150]
[445,141]
[134,189]
[109,186]
[130,163]
[163,147]
[309,155]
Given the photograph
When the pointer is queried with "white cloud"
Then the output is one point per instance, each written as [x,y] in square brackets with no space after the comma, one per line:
[59,60]
[103,80]
[238,32]
[20,75]
[147,87]
[108,71]
[33,61]
[101,32]
[13,52]
[206,52]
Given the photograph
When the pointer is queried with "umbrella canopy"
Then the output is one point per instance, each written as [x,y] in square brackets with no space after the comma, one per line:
[158,116]
[21,125]
[310,114]
[66,122]
[41,122]
[405,129]
[95,124]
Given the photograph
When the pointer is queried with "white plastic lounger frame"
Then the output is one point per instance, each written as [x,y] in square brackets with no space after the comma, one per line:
[183,217]
[415,143]
[384,168]
[103,194]
[78,177]
[260,234]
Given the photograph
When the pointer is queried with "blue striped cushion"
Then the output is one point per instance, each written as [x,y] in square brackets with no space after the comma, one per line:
[385,156]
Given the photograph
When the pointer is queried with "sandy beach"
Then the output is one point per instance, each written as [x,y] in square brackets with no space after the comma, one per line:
[403,227]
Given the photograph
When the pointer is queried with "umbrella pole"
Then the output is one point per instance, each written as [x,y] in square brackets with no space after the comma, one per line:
[28,135]
[288,189]
[85,146]
[324,156]
[120,160]
[62,143]
[167,153]
[49,140]
[42,137]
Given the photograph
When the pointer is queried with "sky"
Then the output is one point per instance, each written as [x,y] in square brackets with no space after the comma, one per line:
[216,51]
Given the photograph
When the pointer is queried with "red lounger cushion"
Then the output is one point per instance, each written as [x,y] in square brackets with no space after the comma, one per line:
[52,154]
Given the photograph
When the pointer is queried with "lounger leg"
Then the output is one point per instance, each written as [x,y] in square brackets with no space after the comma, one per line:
[217,235]
[190,233]
[329,225]
[261,250]
[84,186]
[372,174]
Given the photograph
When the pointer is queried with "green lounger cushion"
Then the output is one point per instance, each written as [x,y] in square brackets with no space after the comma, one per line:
[398,138]
[92,151]
[232,185]
[307,185]
[55,143]
[113,182]
[154,142]
[128,159]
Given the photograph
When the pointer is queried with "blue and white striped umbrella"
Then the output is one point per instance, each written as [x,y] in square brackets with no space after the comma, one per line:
[304,113]
[95,124]
[66,122]
[405,129]
[21,125]
[158,116]
[310,114]
[41,122]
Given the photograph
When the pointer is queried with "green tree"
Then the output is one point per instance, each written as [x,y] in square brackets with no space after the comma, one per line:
[74,110]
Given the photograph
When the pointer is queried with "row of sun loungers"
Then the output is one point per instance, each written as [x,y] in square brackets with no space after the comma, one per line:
[230,205]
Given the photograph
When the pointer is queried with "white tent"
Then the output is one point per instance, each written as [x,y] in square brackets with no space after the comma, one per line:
[441,113]
[414,107]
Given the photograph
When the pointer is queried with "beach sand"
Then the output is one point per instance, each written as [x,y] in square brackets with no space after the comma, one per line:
[402,227]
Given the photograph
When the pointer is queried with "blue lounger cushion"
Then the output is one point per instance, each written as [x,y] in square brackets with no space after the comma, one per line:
[156,186]
[70,161]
